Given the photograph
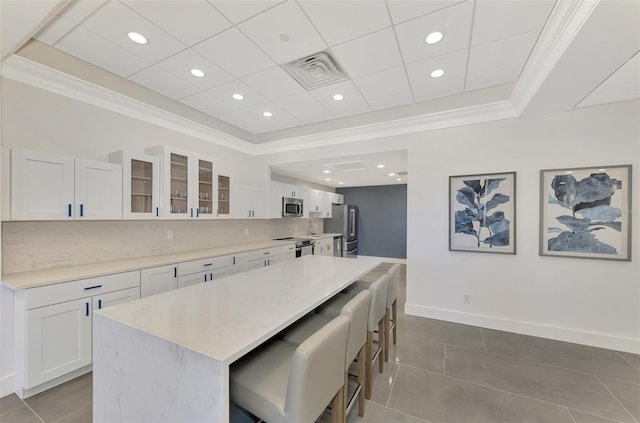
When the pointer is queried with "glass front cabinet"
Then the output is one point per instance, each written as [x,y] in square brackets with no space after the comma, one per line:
[187,188]
[225,194]
[140,184]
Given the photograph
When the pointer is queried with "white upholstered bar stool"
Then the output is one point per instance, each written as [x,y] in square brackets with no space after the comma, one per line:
[375,322]
[282,383]
[357,311]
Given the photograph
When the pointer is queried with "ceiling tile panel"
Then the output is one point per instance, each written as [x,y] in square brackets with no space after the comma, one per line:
[189,21]
[452,82]
[454,23]
[225,94]
[340,21]
[284,33]
[238,11]
[240,119]
[623,85]
[181,64]
[499,62]
[206,103]
[157,79]
[496,19]
[305,108]
[79,10]
[57,28]
[273,83]
[159,45]
[234,53]
[97,51]
[385,89]
[369,54]
[279,119]
[352,104]
[403,10]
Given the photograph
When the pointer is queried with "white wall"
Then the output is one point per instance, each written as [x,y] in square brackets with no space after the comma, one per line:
[594,302]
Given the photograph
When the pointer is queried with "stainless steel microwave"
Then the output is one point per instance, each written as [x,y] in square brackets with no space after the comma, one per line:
[292,207]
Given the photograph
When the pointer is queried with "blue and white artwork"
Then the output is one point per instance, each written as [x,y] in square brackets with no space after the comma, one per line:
[482,213]
[585,212]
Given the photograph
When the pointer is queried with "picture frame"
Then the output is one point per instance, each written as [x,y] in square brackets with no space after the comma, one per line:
[482,213]
[585,212]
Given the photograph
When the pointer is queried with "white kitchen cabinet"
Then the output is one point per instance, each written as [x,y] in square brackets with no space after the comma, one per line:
[238,263]
[156,280]
[323,247]
[280,190]
[276,199]
[225,194]
[201,271]
[203,277]
[315,201]
[337,198]
[249,202]
[52,187]
[58,339]
[265,257]
[325,207]
[140,184]
[256,264]
[187,188]
[288,252]
[112,298]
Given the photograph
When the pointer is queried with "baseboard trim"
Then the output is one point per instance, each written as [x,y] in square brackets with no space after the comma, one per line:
[527,328]
[6,386]
[386,259]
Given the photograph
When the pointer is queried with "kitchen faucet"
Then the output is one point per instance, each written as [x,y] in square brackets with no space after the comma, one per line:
[309,233]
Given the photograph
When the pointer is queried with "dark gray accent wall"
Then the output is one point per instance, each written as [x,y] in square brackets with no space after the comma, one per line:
[382,224]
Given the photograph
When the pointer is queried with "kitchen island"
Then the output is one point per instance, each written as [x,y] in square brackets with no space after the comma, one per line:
[166,357]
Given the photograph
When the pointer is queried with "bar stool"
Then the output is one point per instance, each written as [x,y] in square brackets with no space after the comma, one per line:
[357,311]
[282,383]
[375,323]
[392,305]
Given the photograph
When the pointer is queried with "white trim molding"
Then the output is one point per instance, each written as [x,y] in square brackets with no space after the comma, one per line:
[6,386]
[576,336]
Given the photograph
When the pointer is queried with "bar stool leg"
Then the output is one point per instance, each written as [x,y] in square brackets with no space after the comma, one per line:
[387,325]
[381,342]
[369,365]
[362,379]
[394,310]
[345,396]
[336,407]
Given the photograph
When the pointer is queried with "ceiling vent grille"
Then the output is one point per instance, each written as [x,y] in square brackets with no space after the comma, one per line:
[404,173]
[315,71]
[348,166]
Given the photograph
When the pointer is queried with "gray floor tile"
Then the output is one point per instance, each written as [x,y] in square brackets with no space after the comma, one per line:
[83,415]
[20,415]
[440,331]
[59,402]
[627,393]
[563,354]
[9,403]
[376,413]
[581,417]
[576,390]
[416,352]
[633,359]
[438,398]
[383,382]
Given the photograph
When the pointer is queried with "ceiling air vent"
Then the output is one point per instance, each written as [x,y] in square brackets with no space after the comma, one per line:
[404,173]
[316,71]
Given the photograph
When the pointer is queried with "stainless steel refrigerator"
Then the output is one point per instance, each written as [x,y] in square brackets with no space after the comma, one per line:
[345,222]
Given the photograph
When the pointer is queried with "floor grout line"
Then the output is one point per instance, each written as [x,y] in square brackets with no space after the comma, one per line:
[444,360]
[484,342]
[33,411]
[616,398]
[571,415]
[395,378]
[627,361]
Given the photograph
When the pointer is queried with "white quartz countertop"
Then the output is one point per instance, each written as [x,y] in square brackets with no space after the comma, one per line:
[24,280]
[318,236]
[226,319]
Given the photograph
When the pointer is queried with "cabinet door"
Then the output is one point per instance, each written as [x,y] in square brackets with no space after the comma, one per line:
[194,279]
[157,280]
[288,252]
[225,192]
[42,186]
[216,274]
[58,340]
[325,207]
[238,263]
[117,297]
[256,264]
[277,192]
[140,184]
[204,177]
[98,190]
[249,202]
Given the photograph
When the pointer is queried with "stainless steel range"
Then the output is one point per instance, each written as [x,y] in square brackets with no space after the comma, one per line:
[304,246]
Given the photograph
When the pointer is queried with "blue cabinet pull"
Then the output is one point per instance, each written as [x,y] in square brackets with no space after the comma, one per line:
[81,210]
[86,309]
[210,276]
[157,211]
[207,264]
[99,304]
[205,277]
[234,260]
[69,210]
[191,211]
[93,287]
[175,271]
[197,211]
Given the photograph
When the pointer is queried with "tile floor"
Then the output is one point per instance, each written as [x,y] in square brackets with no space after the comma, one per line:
[447,372]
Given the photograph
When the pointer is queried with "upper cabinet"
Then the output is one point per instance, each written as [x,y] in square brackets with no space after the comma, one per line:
[249,202]
[225,194]
[140,184]
[187,188]
[52,187]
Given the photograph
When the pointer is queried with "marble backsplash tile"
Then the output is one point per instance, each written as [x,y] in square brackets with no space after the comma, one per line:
[28,246]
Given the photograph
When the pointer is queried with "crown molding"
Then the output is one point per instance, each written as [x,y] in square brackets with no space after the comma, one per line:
[35,74]
[566,19]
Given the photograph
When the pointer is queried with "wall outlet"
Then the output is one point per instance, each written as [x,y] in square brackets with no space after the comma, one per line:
[246,231]
[466,298]
[170,234]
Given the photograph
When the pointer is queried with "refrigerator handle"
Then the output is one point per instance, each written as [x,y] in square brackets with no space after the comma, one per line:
[352,217]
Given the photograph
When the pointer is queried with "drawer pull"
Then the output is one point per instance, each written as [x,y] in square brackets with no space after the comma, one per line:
[99,304]
[93,287]
[157,211]
[69,210]
[175,271]
[86,309]
[268,252]
[81,210]
[207,264]
[234,260]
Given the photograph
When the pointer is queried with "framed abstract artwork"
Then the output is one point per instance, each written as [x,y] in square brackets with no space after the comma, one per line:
[585,212]
[482,213]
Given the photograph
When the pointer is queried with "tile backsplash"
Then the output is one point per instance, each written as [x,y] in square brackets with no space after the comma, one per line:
[28,246]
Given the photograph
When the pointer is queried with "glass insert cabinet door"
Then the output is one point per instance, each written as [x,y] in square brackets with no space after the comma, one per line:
[141,186]
[205,188]
[224,196]
[179,184]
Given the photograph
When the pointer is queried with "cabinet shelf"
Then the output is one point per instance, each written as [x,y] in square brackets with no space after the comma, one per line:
[178,164]
[206,183]
[135,194]
[141,178]
[175,178]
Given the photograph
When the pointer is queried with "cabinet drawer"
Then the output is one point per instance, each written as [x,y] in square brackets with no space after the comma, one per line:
[203,265]
[53,294]
[265,253]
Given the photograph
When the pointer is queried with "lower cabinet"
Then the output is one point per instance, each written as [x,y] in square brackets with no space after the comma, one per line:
[323,247]
[237,263]
[156,280]
[203,270]
[288,252]
[201,277]
[264,257]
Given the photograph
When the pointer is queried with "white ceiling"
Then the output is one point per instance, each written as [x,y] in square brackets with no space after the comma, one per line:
[515,57]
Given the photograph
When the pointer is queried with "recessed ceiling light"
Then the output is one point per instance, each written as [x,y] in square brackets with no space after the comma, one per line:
[398,179]
[327,179]
[238,96]
[197,73]
[380,166]
[137,38]
[284,37]
[326,171]
[601,170]
[434,37]
[338,97]
[267,114]
[569,171]
[437,73]
[340,183]
[392,174]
